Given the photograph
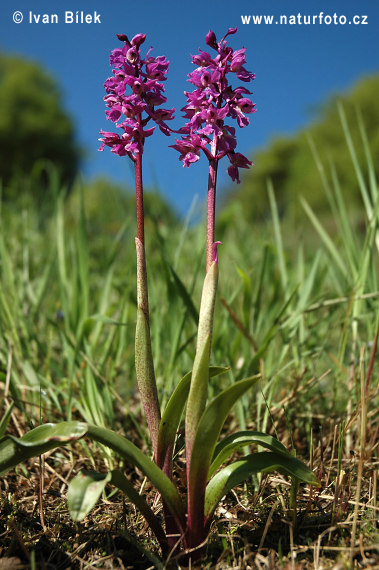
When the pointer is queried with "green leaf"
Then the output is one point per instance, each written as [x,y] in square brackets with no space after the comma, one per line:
[86,488]
[98,317]
[83,261]
[328,242]
[84,491]
[273,329]
[126,449]
[123,483]
[247,296]
[171,417]
[266,461]
[211,424]
[5,419]
[146,376]
[48,436]
[43,438]
[197,396]
[173,412]
[184,294]
[278,235]
[240,439]
[204,445]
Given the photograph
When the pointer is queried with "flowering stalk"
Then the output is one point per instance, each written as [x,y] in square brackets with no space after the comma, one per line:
[143,353]
[139,199]
[208,106]
[197,400]
[141,79]
[207,109]
[211,205]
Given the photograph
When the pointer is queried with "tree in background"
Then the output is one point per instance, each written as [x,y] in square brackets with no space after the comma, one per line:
[290,164]
[109,205]
[34,129]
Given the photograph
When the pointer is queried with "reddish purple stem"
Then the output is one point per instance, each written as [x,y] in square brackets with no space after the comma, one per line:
[211,204]
[139,198]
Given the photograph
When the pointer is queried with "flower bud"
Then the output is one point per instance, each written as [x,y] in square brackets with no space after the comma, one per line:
[210,39]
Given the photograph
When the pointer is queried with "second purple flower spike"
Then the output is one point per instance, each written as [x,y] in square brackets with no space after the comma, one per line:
[212,102]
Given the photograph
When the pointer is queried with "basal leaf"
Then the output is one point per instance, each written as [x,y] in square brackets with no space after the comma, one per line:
[198,394]
[233,442]
[204,445]
[126,449]
[146,376]
[84,491]
[173,412]
[266,461]
[43,438]
[86,488]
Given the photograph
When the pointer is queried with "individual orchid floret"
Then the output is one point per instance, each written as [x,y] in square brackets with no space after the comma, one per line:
[133,94]
[214,101]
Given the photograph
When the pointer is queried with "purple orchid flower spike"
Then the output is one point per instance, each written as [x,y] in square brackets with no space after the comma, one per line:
[212,102]
[133,93]
[208,107]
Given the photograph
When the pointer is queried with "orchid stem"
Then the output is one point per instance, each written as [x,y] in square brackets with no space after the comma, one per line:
[139,198]
[143,301]
[143,352]
[211,203]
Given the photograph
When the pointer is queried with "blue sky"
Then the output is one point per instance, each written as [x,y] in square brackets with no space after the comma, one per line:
[297,67]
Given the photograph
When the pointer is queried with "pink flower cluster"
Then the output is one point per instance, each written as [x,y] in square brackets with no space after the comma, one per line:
[212,102]
[133,93]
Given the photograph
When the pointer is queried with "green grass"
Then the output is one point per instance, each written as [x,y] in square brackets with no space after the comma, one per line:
[299,305]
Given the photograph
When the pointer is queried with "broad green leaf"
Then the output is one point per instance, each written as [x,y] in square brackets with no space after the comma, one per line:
[208,299]
[240,439]
[173,412]
[84,491]
[266,461]
[171,417]
[127,450]
[48,436]
[146,376]
[144,363]
[198,394]
[204,445]
[43,438]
